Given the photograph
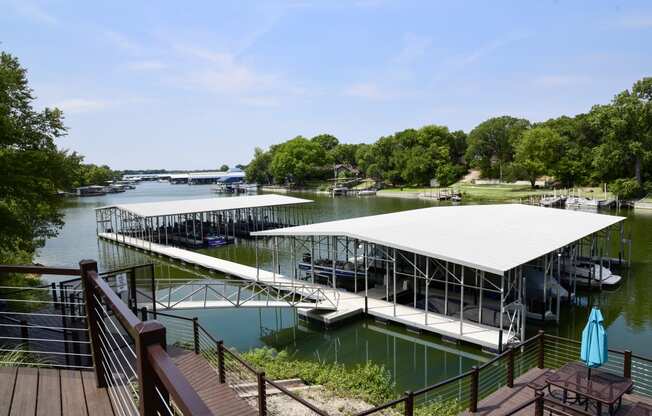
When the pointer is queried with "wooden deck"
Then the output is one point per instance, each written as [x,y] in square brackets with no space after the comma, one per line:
[219,398]
[505,399]
[51,392]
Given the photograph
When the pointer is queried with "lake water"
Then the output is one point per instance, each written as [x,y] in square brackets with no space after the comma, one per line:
[413,360]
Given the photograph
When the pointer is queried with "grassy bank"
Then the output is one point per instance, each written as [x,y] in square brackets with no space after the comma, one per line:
[369,382]
[498,193]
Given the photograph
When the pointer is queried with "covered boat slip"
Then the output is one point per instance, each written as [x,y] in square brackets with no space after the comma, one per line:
[201,222]
[461,271]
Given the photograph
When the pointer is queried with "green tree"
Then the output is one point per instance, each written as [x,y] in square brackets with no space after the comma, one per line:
[224,168]
[326,141]
[32,168]
[491,144]
[258,171]
[297,160]
[536,152]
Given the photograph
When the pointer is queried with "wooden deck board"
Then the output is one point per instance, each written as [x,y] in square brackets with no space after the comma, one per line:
[219,398]
[49,393]
[73,402]
[23,401]
[7,383]
[97,400]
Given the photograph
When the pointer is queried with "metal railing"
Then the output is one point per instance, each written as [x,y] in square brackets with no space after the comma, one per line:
[130,357]
[249,382]
[184,293]
[44,325]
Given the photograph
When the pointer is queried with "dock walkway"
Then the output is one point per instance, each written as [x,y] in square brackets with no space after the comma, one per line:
[349,304]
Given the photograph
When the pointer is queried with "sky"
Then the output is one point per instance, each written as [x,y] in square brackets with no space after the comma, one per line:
[193,85]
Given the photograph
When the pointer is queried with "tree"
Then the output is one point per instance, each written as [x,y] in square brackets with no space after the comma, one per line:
[627,127]
[224,168]
[32,168]
[491,144]
[326,141]
[536,152]
[258,170]
[297,160]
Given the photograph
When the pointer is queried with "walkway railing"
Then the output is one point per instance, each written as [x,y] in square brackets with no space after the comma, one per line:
[130,357]
[245,379]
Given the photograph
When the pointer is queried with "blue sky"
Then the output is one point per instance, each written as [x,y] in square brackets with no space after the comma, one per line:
[172,84]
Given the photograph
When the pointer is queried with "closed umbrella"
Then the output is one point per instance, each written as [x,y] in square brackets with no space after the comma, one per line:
[594,341]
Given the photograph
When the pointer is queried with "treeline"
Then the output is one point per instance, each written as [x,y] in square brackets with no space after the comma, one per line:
[32,168]
[612,143]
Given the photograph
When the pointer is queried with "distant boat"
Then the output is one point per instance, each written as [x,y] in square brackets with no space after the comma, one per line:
[93,190]
[340,191]
[552,201]
[367,192]
[216,241]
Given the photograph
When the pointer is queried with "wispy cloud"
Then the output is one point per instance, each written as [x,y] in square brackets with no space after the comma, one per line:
[33,12]
[82,105]
[121,41]
[147,65]
[414,47]
[636,22]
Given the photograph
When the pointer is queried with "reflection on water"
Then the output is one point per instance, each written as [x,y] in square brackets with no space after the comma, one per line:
[414,360]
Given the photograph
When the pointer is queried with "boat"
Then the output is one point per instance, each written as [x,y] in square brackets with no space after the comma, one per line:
[552,201]
[367,192]
[216,241]
[588,273]
[581,202]
[456,198]
[340,191]
[115,188]
[93,190]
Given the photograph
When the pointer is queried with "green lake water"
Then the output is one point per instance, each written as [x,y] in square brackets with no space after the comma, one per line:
[413,360]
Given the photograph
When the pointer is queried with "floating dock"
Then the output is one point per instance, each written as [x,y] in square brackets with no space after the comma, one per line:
[349,304]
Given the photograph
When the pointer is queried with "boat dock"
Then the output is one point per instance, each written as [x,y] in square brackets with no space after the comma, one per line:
[349,304]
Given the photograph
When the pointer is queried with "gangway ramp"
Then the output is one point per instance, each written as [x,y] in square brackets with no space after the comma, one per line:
[211,293]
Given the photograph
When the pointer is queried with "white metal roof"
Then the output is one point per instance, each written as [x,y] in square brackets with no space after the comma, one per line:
[189,206]
[494,238]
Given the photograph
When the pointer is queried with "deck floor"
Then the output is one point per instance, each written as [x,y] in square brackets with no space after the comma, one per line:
[505,399]
[350,304]
[51,392]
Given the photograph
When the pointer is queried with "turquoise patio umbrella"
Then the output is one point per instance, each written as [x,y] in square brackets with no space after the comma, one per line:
[594,341]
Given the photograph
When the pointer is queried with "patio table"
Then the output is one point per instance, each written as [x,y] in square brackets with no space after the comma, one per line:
[602,387]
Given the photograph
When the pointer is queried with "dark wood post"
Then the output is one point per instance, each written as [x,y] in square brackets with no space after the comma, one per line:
[262,394]
[366,305]
[195,333]
[540,352]
[133,300]
[510,367]
[627,364]
[54,294]
[220,362]
[88,268]
[473,396]
[409,403]
[24,333]
[148,333]
[538,403]
[143,314]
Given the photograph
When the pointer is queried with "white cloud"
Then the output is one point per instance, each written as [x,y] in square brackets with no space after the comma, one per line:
[150,65]
[368,90]
[636,22]
[34,12]
[121,41]
[81,105]
[414,47]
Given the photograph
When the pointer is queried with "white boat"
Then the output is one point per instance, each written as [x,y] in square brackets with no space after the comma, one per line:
[588,271]
[582,202]
[551,201]
[367,192]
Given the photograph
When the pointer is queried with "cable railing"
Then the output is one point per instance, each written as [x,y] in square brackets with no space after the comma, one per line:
[43,325]
[248,382]
[130,357]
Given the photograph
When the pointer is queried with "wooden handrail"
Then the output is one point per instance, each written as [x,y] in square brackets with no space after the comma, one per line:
[35,269]
[184,396]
